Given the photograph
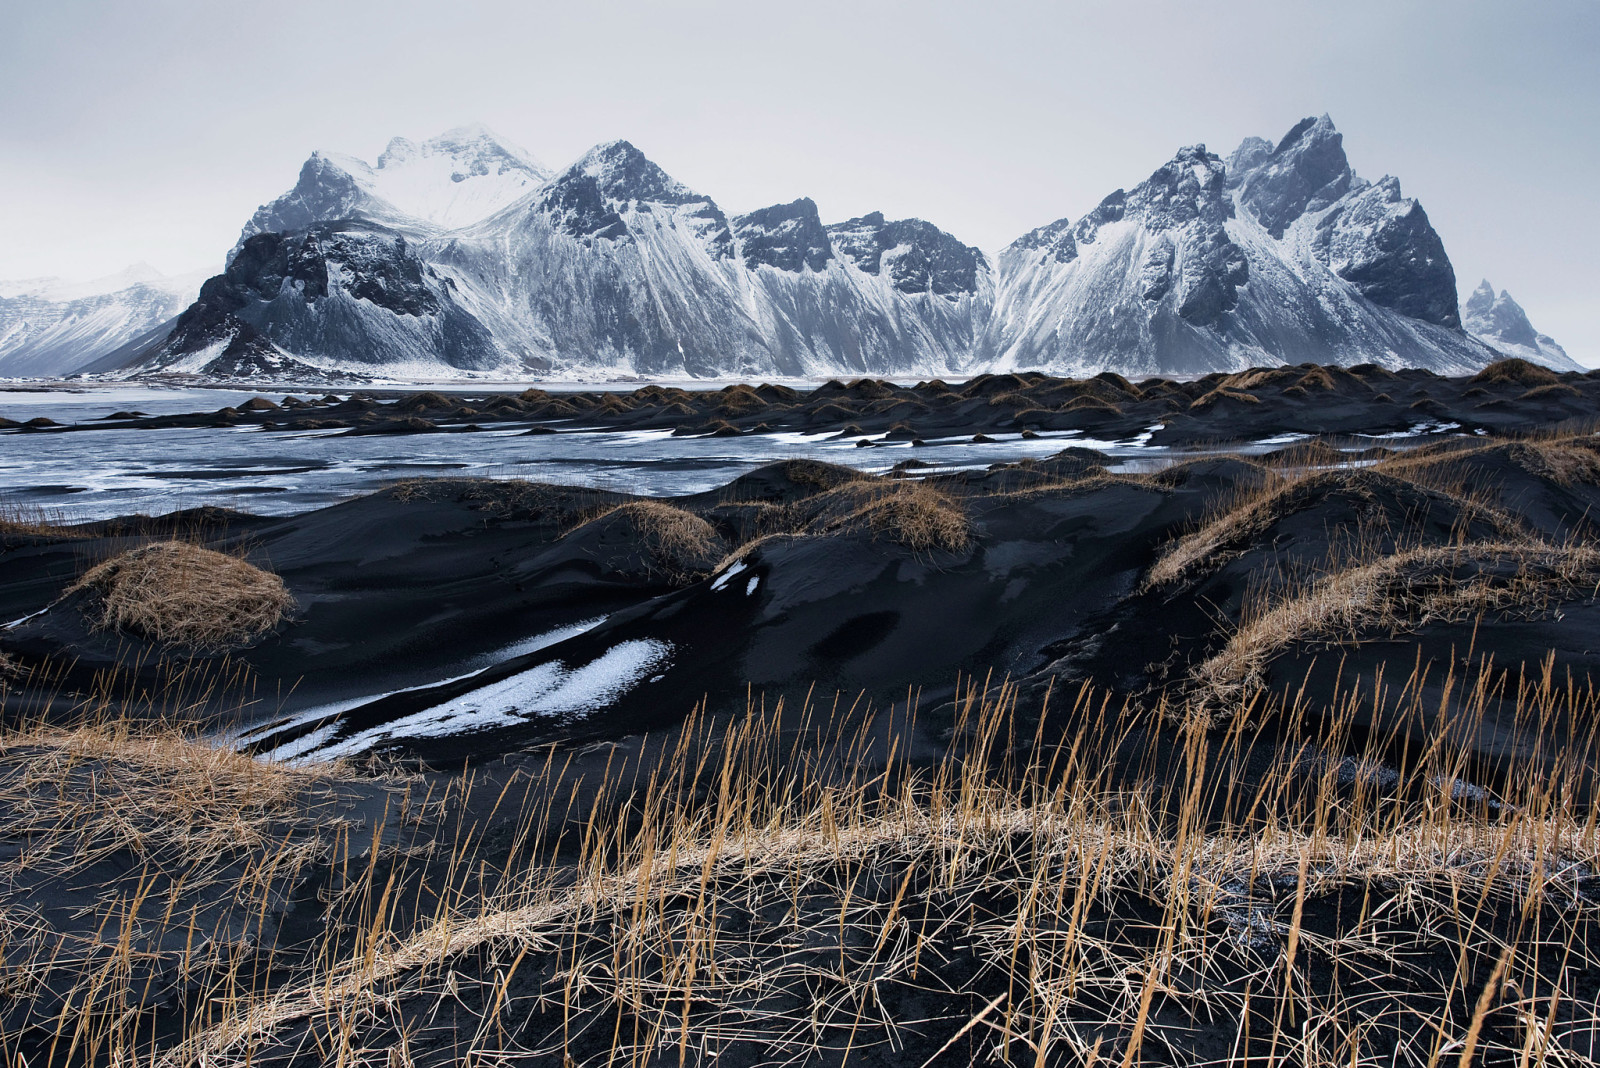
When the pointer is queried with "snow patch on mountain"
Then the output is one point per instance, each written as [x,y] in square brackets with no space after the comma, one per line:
[453,180]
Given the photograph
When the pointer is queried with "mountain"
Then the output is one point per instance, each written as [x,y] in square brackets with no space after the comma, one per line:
[1501,323]
[609,266]
[458,178]
[463,256]
[50,328]
[1281,254]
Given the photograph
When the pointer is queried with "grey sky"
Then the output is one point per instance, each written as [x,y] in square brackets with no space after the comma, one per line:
[151,129]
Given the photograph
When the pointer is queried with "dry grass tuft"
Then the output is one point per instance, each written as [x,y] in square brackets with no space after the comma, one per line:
[180,594]
[680,546]
[1222,394]
[1392,595]
[912,514]
[1515,372]
[1255,507]
[33,522]
[151,788]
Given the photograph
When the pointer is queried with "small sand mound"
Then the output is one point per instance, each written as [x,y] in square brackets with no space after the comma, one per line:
[180,594]
[1223,395]
[1254,509]
[1515,372]
[1554,391]
[503,498]
[677,545]
[912,514]
[1396,594]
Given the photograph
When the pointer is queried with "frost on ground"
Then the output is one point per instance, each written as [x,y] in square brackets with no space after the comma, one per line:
[551,689]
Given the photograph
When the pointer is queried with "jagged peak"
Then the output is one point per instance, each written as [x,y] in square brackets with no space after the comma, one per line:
[789,237]
[1309,129]
[1306,171]
[622,172]
[1481,298]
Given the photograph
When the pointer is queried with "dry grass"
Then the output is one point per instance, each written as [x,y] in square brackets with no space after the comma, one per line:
[504,498]
[32,521]
[1515,372]
[180,594]
[679,545]
[148,788]
[1393,595]
[911,514]
[180,850]
[1018,903]
[1566,459]
[1246,514]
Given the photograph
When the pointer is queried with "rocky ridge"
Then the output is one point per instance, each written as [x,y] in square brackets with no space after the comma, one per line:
[463,257]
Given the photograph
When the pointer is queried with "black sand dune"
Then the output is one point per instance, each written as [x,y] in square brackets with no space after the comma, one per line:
[919,706]
[1509,396]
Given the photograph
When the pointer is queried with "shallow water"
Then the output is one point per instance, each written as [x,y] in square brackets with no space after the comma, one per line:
[77,476]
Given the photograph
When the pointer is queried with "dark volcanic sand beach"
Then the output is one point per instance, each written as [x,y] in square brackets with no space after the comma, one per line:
[1297,625]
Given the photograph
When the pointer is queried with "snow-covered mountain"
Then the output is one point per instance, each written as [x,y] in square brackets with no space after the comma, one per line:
[1282,254]
[453,180]
[609,266]
[463,256]
[50,327]
[1501,323]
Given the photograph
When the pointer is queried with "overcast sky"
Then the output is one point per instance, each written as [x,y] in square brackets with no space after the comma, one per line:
[150,129]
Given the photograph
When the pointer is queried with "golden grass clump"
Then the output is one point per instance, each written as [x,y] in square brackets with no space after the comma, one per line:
[1221,394]
[147,787]
[180,594]
[912,514]
[679,545]
[1256,507]
[1515,372]
[1392,595]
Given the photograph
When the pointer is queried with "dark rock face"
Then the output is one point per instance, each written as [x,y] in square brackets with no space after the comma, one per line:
[1307,171]
[789,237]
[586,200]
[1055,239]
[578,209]
[379,267]
[1185,206]
[1385,246]
[624,173]
[920,257]
[324,191]
[315,291]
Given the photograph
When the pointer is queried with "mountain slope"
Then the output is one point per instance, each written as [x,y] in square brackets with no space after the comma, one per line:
[455,179]
[49,328]
[1281,255]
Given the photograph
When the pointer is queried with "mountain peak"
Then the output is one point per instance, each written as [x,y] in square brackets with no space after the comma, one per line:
[917,256]
[1501,322]
[1306,171]
[786,236]
[625,173]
